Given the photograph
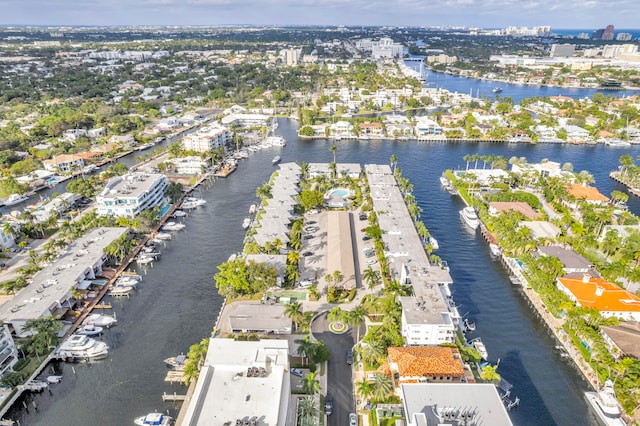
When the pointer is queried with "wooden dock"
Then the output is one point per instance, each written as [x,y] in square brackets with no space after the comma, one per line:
[173,397]
[175,376]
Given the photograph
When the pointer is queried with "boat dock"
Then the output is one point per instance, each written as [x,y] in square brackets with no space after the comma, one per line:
[615,176]
[173,397]
[175,377]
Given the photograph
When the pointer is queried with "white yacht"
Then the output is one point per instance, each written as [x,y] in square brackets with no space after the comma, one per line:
[495,249]
[176,362]
[434,243]
[470,217]
[275,160]
[605,404]
[173,226]
[89,330]
[100,320]
[246,223]
[79,346]
[144,259]
[252,209]
[179,213]
[163,236]
[154,419]
[121,291]
[479,346]
[89,169]
[15,199]
[444,182]
[192,202]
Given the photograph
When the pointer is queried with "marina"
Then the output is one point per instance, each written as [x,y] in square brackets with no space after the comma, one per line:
[551,388]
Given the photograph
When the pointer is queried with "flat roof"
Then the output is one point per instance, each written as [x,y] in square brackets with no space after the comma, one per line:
[541,229]
[340,247]
[431,401]
[260,317]
[225,392]
[53,284]
[131,185]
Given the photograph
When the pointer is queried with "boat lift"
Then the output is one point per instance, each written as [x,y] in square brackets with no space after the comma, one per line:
[505,397]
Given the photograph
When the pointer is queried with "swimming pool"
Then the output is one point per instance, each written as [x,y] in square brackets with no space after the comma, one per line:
[340,192]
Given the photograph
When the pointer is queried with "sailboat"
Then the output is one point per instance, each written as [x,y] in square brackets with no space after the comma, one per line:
[274,139]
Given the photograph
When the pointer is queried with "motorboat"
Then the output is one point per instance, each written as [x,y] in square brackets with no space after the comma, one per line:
[144,146]
[126,282]
[246,223]
[154,419]
[173,226]
[15,199]
[470,217]
[252,209]
[444,265]
[121,291]
[479,346]
[100,320]
[276,159]
[145,260]
[495,249]
[89,330]
[469,325]
[89,169]
[196,200]
[275,140]
[444,182]
[232,257]
[163,236]
[497,90]
[605,404]
[515,280]
[83,347]
[176,362]
[433,243]
[179,213]
[54,379]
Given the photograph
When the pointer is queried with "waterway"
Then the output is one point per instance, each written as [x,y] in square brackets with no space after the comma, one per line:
[178,304]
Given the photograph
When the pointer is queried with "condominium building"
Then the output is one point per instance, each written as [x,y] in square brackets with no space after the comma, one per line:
[8,351]
[128,195]
[386,48]
[207,139]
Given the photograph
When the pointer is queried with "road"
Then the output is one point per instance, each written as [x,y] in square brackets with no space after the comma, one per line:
[339,373]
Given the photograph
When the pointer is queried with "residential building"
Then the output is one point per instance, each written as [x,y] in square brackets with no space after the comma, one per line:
[424,364]
[65,163]
[546,169]
[340,248]
[207,138]
[239,380]
[622,340]
[562,50]
[292,56]
[341,129]
[427,404]
[427,127]
[423,324]
[7,240]
[127,141]
[596,293]
[386,48]
[49,292]
[371,129]
[497,207]
[128,195]
[71,135]
[259,318]
[8,351]
[623,36]
[589,193]
[278,261]
[572,262]
[189,165]
[245,120]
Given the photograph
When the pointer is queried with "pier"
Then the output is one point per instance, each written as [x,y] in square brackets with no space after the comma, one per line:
[615,175]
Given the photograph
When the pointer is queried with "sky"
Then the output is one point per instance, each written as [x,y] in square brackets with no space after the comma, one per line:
[589,14]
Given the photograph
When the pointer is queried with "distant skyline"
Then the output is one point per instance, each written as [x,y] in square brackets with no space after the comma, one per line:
[477,13]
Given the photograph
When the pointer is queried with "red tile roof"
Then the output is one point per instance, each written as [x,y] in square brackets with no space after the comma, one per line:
[602,295]
[425,361]
[589,193]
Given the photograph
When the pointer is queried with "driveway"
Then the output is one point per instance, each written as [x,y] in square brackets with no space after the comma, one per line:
[339,373]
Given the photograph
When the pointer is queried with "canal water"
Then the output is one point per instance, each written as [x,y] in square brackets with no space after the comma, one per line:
[177,303]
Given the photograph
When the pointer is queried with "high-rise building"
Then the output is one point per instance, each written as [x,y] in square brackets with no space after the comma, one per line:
[623,36]
[597,34]
[608,33]
[583,36]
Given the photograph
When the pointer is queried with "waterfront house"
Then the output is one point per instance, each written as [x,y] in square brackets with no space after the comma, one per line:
[572,262]
[453,403]
[8,240]
[242,380]
[50,290]
[426,127]
[607,298]
[245,120]
[126,141]
[576,134]
[589,193]
[546,169]
[247,317]
[191,166]
[623,231]
[622,340]
[426,321]
[422,364]
[278,261]
[65,163]
[341,129]
[521,207]
[371,129]
[128,195]
[207,138]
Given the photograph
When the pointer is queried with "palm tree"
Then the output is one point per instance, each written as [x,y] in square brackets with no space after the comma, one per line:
[335,315]
[355,319]
[333,149]
[293,257]
[475,157]
[44,332]
[304,169]
[371,277]
[372,352]
[294,311]
[337,276]
[467,159]
[364,388]
[305,347]
[394,160]
[264,191]
[310,384]
[382,387]
[308,411]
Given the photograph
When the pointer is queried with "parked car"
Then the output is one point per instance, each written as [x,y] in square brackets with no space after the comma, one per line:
[371,261]
[366,237]
[307,253]
[328,405]
[353,419]
[308,236]
[304,283]
[311,229]
[363,216]
[297,372]
[349,356]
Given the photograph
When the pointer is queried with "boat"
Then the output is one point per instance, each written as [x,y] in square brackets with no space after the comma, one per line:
[444,265]
[252,209]
[89,169]
[470,217]
[617,143]
[173,226]
[605,404]
[469,325]
[479,346]
[176,362]
[121,291]
[145,146]
[232,257]
[100,320]
[515,280]
[179,213]
[497,89]
[145,260]
[190,203]
[16,199]
[246,223]
[89,330]
[163,236]
[154,419]
[433,243]
[452,190]
[495,249]
[444,182]
[275,141]
[54,379]
[276,159]
[83,347]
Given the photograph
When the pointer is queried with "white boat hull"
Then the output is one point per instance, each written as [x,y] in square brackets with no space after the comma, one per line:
[470,218]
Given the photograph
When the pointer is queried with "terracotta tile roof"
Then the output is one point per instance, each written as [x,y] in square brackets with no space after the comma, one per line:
[425,361]
[589,193]
[517,206]
[64,158]
[602,295]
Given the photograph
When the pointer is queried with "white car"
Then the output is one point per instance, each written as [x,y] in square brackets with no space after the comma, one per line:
[371,262]
[353,419]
